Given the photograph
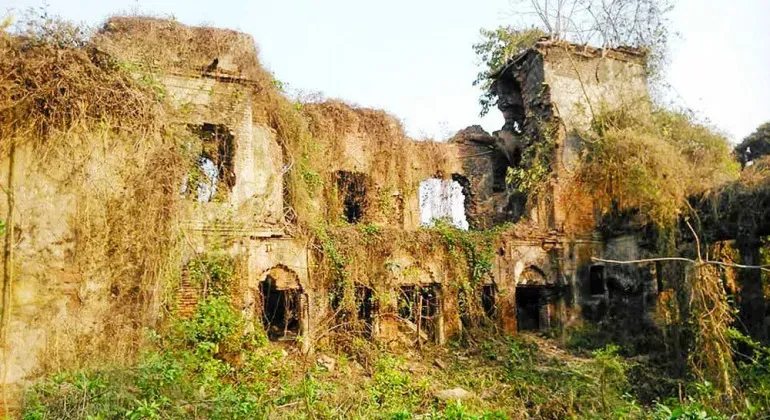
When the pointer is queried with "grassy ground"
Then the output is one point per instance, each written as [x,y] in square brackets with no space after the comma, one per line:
[210,366]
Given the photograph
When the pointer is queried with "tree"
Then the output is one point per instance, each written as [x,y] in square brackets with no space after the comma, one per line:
[497,47]
[756,145]
[605,23]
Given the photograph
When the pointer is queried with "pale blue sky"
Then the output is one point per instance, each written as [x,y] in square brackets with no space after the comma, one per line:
[413,58]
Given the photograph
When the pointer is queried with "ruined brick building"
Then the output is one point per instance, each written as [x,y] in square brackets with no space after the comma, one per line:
[542,275]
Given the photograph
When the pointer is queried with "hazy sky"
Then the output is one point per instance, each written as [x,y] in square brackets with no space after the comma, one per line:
[413,58]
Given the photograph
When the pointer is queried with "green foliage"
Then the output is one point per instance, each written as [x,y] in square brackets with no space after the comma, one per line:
[279,85]
[476,247]
[457,411]
[693,407]
[330,250]
[643,24]
[2,227]
[753,372]
[525,180]
[187,372]
[493,52]
[560,390]
[214,321]
[215,272]
[370,231]
[342,293]
[521,352]
[611,372]
[311,177]
[756,145]
[210,367]
[688,410]
[536,161]
[392,389]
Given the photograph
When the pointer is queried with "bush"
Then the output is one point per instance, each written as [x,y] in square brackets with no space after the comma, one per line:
[193,369]
[651,160]
[392,389]
[753,372]
[216,272]
[214,322]
[611,373]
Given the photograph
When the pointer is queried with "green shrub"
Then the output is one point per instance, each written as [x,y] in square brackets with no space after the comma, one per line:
[216,272]
[753,372]
[611,373]
[392,389]
[189,370]
[686,410]
[215,321]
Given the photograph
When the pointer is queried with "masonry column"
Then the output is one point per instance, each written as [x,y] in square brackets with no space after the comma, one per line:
[753,306]
[506,290]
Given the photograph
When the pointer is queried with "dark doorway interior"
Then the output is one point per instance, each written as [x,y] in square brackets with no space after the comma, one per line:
[281,312]
[596,279]
[366,308]
[529,301]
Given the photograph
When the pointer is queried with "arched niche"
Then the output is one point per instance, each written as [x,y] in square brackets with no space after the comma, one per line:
[532,276]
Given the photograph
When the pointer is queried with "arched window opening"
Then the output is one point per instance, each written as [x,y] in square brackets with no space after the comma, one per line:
[532,276]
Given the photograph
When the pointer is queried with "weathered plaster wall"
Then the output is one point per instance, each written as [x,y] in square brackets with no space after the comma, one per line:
[389,178]
[480,167]
[583,79]
[256,199]
[60,294]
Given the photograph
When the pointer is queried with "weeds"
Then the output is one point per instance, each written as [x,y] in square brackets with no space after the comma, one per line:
[392,389]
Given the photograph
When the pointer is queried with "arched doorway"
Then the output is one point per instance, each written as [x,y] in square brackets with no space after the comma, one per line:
[537,301]
[283,309]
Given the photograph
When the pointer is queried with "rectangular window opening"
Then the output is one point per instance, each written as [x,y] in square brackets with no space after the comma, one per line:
[596,279]
[419,308]
[213,176]
[352,190]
